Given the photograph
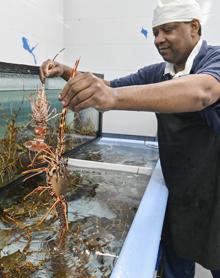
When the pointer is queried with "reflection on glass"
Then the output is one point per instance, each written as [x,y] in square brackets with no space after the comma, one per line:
[17,125]
[101,207]
[112,151]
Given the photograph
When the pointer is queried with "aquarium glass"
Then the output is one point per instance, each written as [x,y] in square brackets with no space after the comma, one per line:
[18,127]
[119,151]
[101,208]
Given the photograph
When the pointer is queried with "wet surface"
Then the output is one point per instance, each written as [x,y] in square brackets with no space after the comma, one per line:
[101,207]
[112,151]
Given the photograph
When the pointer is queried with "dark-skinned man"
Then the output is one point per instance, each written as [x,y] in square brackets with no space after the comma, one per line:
[184,91]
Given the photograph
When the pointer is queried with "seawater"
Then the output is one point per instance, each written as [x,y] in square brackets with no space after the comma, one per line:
[19,101]
[18,127]
[101,207]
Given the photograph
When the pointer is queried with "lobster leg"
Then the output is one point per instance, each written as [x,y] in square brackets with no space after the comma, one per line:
[49,210]
[37,171]
[61,236]
[7,218]
[62,214]
[64,205]
[39,188]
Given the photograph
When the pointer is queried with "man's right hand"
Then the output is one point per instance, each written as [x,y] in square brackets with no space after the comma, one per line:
[87,90]
[50,68]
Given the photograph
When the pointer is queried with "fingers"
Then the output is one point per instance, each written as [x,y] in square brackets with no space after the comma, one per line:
[49,68]
[44,69]
[90,102]
[74,86]
[79,101]
[83,105]
[86,90]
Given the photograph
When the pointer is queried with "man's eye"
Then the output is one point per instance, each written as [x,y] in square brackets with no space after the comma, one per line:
[167,30]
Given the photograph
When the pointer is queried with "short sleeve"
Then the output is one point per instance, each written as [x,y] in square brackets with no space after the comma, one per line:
[146,75]
[211,65]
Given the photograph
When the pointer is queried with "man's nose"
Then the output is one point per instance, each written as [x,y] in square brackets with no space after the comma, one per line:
[160,38]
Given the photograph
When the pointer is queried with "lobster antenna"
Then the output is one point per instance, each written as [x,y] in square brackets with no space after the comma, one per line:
[74,69]
[58,54]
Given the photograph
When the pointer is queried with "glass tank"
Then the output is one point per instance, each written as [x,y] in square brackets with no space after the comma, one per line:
[119,151]
[19,86]
[89,207]
[101,207]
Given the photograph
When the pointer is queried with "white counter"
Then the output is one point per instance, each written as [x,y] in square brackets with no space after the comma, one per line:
[138,255]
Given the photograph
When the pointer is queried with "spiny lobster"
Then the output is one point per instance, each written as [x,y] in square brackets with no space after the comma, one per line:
[41,114]
[56,173]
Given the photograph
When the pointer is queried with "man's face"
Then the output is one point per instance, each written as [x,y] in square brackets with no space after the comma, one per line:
[174,41]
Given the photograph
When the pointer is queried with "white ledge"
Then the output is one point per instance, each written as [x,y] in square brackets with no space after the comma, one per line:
[139,252]
[109,166]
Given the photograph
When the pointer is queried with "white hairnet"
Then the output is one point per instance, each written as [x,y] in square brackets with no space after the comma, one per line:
[176,11]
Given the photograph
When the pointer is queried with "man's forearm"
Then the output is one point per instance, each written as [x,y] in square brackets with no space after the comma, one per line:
[184,94]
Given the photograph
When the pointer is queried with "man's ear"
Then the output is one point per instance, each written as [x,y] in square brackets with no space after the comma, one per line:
[196,26]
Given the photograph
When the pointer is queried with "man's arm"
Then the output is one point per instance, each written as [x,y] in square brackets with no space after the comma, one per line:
[51,68]
[184,94]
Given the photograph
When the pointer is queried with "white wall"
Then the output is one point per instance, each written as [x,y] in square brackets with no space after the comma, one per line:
[106,34]
[40,21]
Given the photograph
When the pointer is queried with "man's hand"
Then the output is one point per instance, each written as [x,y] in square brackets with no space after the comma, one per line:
[51,68]
[86,90]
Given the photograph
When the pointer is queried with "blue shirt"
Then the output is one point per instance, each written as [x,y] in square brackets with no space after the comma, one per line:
[189,149]
[206,62]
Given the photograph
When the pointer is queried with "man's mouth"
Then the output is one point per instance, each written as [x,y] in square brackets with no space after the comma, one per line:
[162,49]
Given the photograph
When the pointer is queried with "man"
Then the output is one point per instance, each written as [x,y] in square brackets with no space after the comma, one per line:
[184,91]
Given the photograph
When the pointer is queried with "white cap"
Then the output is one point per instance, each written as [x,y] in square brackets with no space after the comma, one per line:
[176,11]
